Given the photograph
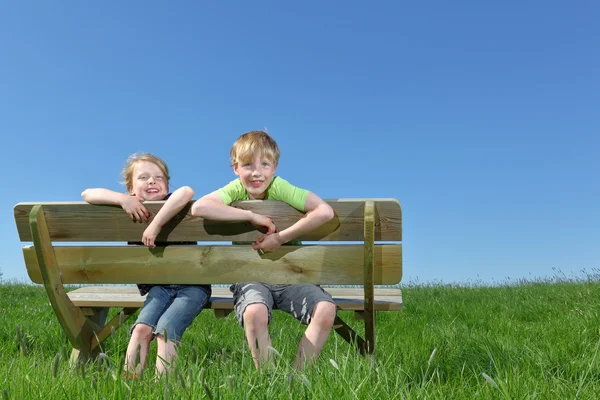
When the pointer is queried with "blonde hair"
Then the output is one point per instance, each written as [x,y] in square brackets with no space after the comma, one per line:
[254,143]
[133,159]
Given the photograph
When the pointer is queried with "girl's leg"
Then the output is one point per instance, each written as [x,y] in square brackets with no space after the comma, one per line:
[187,303]
[140,339]
[142,332]
[165,356]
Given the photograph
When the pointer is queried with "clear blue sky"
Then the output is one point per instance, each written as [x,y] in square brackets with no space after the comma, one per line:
[481,118]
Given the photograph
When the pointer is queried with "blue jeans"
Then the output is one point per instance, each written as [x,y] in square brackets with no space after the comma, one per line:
[170,309]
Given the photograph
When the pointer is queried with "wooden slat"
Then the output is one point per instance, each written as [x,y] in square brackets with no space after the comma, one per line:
[320,264]
[82,222]
[129,297]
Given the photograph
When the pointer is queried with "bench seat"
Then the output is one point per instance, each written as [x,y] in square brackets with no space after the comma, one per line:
[388,299]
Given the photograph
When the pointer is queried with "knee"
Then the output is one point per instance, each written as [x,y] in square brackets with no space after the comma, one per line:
[256,315]
[142,333]
[324,314]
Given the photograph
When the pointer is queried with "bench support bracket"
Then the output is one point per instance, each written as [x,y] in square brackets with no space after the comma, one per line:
[77,326]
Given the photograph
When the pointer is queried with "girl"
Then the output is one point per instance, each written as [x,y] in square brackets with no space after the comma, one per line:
[168,309]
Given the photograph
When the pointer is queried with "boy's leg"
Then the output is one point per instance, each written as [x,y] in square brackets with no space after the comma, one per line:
[142,332]
[312,306]
[187,302]
[253,303]
[316,334]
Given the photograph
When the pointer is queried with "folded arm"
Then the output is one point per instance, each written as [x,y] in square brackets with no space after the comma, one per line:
[212,207]
[318,212]
[130,204]
[172,206]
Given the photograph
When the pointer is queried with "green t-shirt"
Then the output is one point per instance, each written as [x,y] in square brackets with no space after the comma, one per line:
[279,189]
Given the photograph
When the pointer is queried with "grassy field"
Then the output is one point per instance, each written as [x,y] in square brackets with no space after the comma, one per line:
[520,341]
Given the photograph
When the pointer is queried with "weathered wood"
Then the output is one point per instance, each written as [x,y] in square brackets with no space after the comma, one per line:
[82,222]
[386,299]
[349,335]
[82,312]
[369,275]
[115,323]
[319,264]
[77,327]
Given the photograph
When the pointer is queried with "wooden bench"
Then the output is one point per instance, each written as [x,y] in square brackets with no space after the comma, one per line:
[348,252]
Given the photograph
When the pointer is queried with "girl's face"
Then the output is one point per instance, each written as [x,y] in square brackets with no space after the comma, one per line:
[148,181]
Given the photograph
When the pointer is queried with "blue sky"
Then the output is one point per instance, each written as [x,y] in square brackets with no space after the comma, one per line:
[481,118]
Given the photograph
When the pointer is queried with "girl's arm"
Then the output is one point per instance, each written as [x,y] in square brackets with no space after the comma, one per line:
[172,206]
[130,204]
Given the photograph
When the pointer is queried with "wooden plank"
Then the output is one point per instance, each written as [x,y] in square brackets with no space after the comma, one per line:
[369,276]
[222,298]
[320,264]
[77,327]
[82,222]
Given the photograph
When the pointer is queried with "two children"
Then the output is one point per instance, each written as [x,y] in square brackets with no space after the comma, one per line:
[170,309]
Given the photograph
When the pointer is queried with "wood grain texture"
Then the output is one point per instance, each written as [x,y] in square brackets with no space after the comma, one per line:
[369,276]
[129,297]
[82,222]
[319,264]
[77,327]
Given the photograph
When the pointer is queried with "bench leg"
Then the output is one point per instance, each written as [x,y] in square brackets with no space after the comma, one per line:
[115,323]
[369,267]
[78,328]
[349,335]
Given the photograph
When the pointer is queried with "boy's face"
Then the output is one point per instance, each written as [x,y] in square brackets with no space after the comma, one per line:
[256,175]
[148,181]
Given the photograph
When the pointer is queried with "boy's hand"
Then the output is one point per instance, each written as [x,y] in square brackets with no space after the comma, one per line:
[137,212]
[150,235]
[260,221]
[268,243]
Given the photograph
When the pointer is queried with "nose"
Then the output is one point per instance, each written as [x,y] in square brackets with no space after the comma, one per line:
[151,180]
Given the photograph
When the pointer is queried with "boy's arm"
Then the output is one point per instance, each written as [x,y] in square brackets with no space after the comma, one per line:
[172,206]
[318,212]
[212,207]
[130,204]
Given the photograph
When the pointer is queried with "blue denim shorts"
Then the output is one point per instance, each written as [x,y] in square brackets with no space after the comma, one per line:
[298,300]
[170,309]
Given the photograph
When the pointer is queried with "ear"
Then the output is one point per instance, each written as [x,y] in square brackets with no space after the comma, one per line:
[235,169]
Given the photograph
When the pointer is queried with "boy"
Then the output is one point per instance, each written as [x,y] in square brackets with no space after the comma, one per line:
[254,158]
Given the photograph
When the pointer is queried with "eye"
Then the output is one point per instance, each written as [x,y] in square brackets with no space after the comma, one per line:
[159,178]
[266,164]
[246,165]
[144,177]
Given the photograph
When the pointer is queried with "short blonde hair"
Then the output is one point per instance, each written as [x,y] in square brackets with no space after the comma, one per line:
[251,144]
[127,172]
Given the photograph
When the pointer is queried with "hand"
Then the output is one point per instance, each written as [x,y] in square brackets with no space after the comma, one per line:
[262,221]
[150,235]
[137,212]
[268,243]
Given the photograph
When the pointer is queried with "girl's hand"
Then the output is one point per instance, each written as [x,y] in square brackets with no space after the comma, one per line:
[150,235]
[137,212]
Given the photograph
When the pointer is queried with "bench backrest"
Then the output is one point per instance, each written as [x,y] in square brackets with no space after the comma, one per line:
[331,260]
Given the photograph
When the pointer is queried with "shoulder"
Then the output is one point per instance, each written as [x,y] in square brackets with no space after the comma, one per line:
[233,191]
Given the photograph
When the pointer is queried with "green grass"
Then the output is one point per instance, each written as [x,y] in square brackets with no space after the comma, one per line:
[528,340]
